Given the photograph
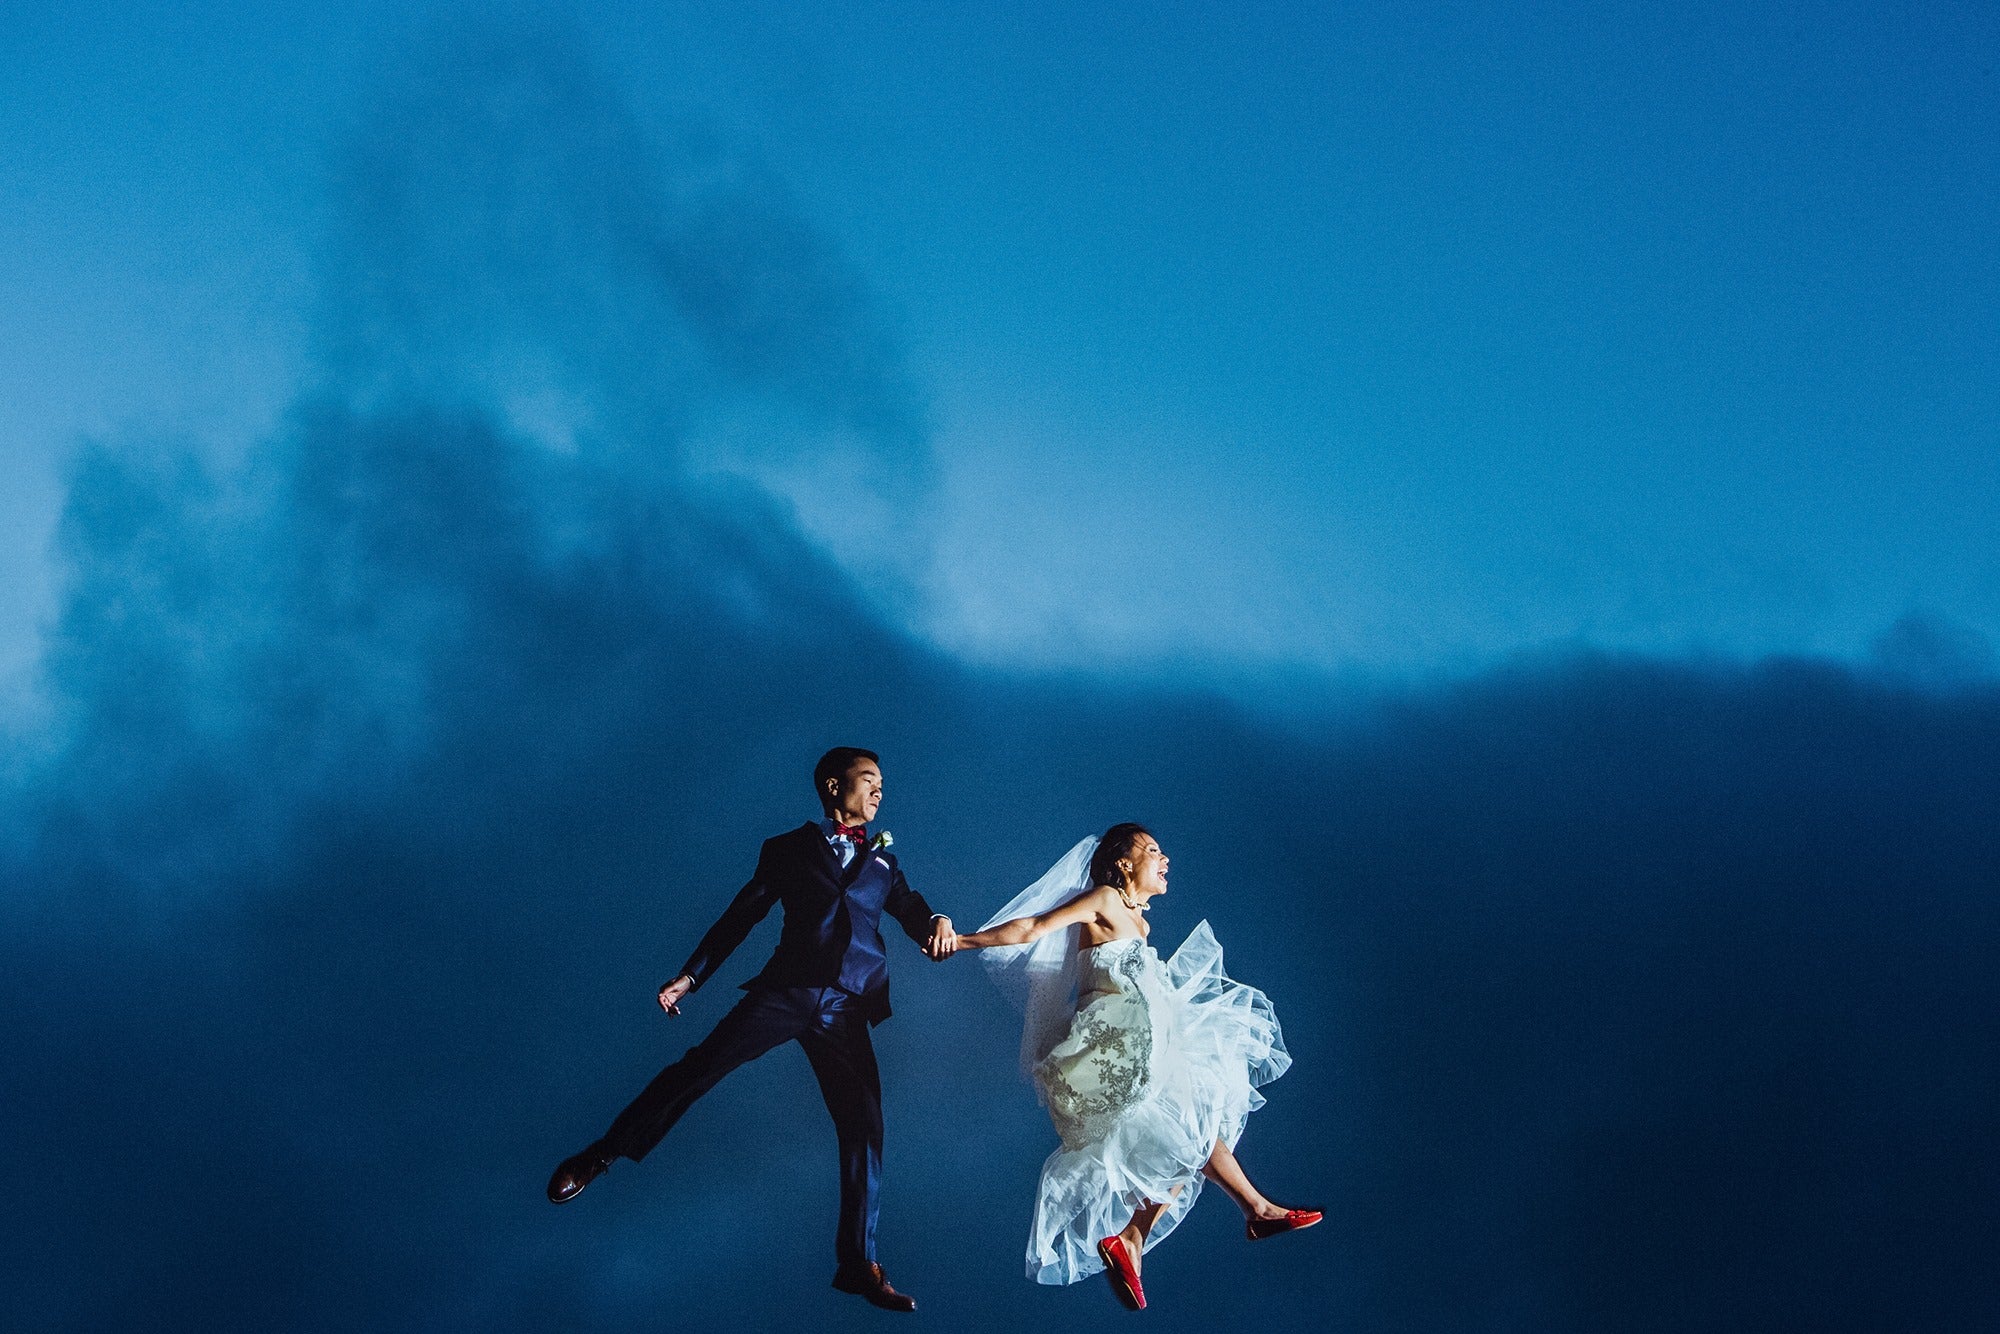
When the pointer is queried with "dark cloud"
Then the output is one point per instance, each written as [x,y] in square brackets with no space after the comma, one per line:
[1926,649]
[511,240]
[389,771]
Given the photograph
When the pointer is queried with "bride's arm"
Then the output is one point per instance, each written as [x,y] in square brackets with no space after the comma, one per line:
[1026,930]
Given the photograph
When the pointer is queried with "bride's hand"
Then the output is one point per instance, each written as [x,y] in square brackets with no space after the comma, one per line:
[943,942]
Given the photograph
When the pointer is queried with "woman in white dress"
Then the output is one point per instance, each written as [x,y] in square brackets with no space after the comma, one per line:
[1149,1068]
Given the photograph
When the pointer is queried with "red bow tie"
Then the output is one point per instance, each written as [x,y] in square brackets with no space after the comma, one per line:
[857,832]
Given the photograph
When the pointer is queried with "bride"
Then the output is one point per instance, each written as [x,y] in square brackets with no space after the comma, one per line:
[1149,1068]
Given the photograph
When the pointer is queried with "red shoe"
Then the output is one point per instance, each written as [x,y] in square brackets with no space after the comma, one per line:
[1124,1278]
[1259,1228]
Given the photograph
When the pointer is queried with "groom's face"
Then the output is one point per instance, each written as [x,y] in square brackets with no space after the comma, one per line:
[858,794]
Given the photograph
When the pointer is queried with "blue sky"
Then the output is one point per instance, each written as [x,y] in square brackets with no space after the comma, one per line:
[495,459]
[1381,337]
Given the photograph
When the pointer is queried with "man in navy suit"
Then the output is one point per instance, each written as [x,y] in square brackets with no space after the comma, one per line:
[826,984]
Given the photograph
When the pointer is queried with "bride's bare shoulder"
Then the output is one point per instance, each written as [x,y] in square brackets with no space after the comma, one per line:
[1098,926]
[1095,898]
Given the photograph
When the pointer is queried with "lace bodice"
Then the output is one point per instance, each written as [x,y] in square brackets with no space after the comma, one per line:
[1113,966]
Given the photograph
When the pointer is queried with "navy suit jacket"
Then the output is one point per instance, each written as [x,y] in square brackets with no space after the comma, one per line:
[832,929]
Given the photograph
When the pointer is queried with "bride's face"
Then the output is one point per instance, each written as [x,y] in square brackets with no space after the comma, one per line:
[1148,875]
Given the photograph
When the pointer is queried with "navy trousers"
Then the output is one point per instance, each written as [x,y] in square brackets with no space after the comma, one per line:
[827,1022]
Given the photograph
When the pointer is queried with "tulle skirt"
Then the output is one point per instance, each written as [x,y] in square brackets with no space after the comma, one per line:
[1162,1061]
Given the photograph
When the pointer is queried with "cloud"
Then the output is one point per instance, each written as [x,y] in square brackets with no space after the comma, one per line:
[1926,649]
[511,239]
[390,770]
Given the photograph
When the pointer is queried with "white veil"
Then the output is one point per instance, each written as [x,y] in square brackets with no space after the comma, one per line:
[1040,978]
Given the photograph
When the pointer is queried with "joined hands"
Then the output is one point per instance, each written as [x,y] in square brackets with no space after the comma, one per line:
[943,942]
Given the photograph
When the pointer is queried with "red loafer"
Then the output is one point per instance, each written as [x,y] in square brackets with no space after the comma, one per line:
[1259,1228]
[1124,1278]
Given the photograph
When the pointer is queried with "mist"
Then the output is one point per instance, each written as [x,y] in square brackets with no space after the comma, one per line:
[382,774]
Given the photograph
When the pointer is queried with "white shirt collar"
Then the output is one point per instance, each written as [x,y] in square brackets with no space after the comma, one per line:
[844,848]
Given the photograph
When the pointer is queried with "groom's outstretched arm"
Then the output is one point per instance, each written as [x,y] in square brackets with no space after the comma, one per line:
[914,915]
[749,907]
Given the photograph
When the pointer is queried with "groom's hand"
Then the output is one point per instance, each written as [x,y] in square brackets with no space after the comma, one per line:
[671,993]
[943,942]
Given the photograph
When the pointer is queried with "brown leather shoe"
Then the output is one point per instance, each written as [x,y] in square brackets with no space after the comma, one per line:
[873,1284]
[577,1171]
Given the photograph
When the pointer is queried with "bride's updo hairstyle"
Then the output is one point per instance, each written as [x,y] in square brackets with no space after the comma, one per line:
[1117,843]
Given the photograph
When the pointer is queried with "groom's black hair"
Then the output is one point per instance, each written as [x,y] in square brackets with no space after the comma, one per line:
[835,764]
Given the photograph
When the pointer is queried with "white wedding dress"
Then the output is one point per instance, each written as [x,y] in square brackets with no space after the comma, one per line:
[1161,1060]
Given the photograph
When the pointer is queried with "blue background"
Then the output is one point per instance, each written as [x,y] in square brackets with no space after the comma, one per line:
[1505,499]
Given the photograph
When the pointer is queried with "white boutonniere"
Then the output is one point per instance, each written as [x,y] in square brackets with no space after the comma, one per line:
[881,841]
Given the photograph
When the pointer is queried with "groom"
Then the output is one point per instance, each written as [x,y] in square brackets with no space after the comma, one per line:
[826,984]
